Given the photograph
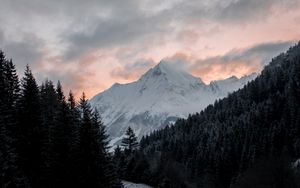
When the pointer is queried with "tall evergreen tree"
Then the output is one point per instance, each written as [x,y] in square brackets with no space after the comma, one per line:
[88,147]
[51,132]
[75,149]
[29,130]
[130,140]
[120,160]
[65,138]
[95,166]
[11,175]
[107,166]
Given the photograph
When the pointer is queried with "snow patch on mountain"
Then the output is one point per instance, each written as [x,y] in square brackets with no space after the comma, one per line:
[162,95]
[134,185]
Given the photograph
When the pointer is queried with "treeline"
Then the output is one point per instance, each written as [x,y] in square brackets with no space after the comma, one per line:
[249,139]
[47,139]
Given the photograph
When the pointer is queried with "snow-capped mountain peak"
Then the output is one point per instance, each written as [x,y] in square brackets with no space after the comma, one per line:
[163,94]
[168,72]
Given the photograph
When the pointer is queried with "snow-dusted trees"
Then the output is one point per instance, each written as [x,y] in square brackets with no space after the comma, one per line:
[247,139]
[130,140]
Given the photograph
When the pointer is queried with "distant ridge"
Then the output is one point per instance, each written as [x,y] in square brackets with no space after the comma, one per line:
[162,95]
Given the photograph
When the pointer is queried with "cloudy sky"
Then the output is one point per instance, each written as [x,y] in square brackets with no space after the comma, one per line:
[90,44]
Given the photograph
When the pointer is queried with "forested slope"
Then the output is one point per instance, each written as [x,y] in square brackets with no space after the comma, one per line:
[248,139]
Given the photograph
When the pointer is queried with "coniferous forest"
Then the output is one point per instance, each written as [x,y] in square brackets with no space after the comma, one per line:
[249,139]
[48,139]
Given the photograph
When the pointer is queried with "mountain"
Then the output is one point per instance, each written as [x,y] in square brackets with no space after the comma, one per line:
[249,139]
[162,95]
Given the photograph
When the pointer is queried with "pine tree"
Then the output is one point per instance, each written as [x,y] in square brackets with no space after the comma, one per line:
[71,101]
[65,136]
[100,131]
[119,159]
[75,121]
[60,94]
[96,167]
[75,148]
[109,177]
[89,152]
[52,134]
[11,175]
[29,133]
[130,140]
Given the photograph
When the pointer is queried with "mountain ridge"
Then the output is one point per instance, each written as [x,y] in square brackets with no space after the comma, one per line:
[160,96]
[248,139]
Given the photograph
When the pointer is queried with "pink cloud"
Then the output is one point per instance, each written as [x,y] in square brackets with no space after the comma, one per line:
[219,70]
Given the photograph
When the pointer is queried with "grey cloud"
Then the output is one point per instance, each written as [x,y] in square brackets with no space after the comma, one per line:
[123,27]
[241,11]
[140,64]
[108,34]
[26,51]
[261,52]
[244,9]
[265,51]
[135,70]
[1,37]
[52,8]
[255,58]
[87,25]
[130,25]
[69,78]
[83,25]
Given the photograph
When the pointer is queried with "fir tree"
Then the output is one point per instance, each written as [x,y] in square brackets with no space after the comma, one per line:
[52,135]
[130,140]
[29,133]
[89,149]
[65,140]
[11,175]
[96,167]
[110,177]
[120,161]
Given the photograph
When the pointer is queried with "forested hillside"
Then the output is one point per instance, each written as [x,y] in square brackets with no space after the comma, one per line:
[249,139]
[47,139]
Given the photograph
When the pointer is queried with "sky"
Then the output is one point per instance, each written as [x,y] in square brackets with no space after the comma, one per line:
[90,44]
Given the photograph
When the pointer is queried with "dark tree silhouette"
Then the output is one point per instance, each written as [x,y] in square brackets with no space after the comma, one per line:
[130,140]
[11,174]
[29,130]
[48,141]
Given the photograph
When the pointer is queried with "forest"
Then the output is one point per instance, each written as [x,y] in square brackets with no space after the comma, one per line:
[249,139]
[48,139]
